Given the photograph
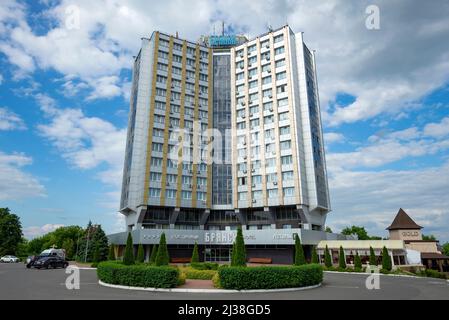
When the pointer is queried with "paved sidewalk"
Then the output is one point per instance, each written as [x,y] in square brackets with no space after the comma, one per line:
[197,284]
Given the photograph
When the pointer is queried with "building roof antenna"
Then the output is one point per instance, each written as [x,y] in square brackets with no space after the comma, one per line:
[222,28]
[270,28]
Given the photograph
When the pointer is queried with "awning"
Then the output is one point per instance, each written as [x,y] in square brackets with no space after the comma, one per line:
[433,256]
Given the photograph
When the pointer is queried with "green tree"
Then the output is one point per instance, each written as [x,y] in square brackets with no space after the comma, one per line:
[69,246]
[327,258]
[358,262]
[315,259]
[446,249]
[233,254]
[358,231]
[299,252]
[328,230]
[372,257]
[153,254]
[100,243]
[195,254]
[10,232]
[140,254]
[239,256]
[162,257]
[429,237]
[97,254]
[342,259]
[128,258]
[386,260]
[111,254]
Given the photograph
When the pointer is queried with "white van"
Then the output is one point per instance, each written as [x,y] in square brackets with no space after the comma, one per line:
[54,252]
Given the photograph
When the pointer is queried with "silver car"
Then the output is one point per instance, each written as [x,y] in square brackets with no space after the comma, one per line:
[9,259]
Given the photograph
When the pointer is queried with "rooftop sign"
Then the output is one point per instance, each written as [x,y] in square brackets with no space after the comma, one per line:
[223,41]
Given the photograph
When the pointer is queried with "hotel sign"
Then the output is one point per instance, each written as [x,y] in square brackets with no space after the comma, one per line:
[223,41]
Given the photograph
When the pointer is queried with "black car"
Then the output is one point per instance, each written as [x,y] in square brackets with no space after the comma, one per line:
[48,262]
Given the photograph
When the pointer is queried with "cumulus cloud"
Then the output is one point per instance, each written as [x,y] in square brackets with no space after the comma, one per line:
[333,137]
[37,231]
[15,183]
[10,121]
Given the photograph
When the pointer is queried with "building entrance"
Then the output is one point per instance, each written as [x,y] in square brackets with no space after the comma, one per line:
[217,254]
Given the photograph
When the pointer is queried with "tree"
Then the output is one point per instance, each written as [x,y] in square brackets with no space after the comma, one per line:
[299,252]
[233,254]
[358,231]
[10,232]
[162,257]
[97,254]
[446,249]
[100,243]
[372,257]
[153,254]
[429,237]
[69,246]
[342,259]
[328,230]
[111,254]
[239,256]
[128,258]
[386,260]
[315,259]
[140,254]
[327,258]
[195,254]
[358,262]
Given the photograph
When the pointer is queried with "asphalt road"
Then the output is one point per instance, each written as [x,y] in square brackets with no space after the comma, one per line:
[17,282]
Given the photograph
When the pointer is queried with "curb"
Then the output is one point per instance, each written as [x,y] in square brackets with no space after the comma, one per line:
[177,290]
[380,274]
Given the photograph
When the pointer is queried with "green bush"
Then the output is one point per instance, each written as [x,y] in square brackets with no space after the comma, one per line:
[342,259]
[386,260]
[138,275]
[315,259]
[372,257]
[435,274]
[195,255]
[198,274]
[128,259]
[153,254]
[204,265]
[239,252]
[111,255]
[182,279]
[270,277]
[140,254]
[327,258]
[216,281]
[357,263]
[299,252]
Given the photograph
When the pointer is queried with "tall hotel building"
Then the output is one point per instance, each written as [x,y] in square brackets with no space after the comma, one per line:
[225,132]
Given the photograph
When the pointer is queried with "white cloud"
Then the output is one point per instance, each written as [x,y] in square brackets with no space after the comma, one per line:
[16,184]
[333,137]
[437,130]
[10,121]
[85,142]
[37,231]
[1,79]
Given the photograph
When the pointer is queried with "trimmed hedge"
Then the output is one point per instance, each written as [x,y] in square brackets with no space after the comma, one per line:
[204,265]
[191,273]
[138,275]
[270,277]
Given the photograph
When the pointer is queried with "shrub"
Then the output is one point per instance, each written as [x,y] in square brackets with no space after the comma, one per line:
[386,260]
[153,254]
[434,274]
[270,277]
[299,252]
[140,254]
[315,259]
[239,256]
[128,259]
[327,258]
[181,279]
[111,254]
[94,265]
[204,265]
[198,274]
[138,275]
[195,255]
[162,257]
[216,281]
[357,263]
[342,259]
[372,257]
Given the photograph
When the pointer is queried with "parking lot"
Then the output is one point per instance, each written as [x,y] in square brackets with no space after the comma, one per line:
[18,282]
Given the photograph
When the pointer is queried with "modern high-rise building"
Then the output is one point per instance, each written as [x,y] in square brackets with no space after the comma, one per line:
[225,132]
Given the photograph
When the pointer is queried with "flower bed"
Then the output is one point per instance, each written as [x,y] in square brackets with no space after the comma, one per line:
[269,277]
[138,275]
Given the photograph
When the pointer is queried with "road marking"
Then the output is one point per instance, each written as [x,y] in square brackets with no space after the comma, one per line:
[342,287]
[82,283]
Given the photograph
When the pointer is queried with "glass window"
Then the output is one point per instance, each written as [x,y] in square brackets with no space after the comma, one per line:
[289,192]
[270,163]
[278,38]
[266,80]
[272,193]
[284,130]
[285,145]
[256,180]
[283,116]
[268,106]
[280,63]
[285,160]
[281,75]
[287,176]
[272,177]
[279,50]
[242,195]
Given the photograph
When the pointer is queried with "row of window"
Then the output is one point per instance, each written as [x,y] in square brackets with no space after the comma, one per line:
[190,87]
[269,148]
[202,114]
[269,163]
[172,178]
[190,75]
[271,177]
[255,123]
[178,47]
[253,48]
[171,194]
[186,166]
[271,193]
[268,135]
[240,75]
[177,96]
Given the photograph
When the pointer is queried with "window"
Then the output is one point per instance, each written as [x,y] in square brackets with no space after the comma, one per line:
[240,89]
[286,160]
[280,63]
[266,68]
[176,70]
[254,110]
[156,162]
[161,79]
[269,134]
[241,167]
[255,138]
[252,60]
[163,43]
[254,124]
[240,65]
[285,145]
[272,193]
[155,176]
[252,48]
[241,113]
[256,164]
[266,80]
[177,46]
[158,133]
[272,177]
[242,181]
[255,151]
[253,97]
[279,50]
[242,196]
[283,116]
[281,89]
[155,192]
[256,180]
[159,105]
[278,38]
[177,58]
[171,164]
[201,196]
[241,152]
[170,194]
[268,106]
[157,147]
[241,125]
[159,119]
[281,75]
[288,192]
[284,130]
[257,195]
[201,181]
[287,176]
[240,76]
[186,180]
[282,102]
[160,92]
[172,178]
[186,195]
[270,147]
[252,72]
[265,56]
[268,119]
[267,93]
[253,84]
[162,55]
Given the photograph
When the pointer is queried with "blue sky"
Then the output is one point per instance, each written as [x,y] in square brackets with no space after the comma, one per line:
[64,91]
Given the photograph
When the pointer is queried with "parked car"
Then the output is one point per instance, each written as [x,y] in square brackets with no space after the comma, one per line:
[50,262]
[31,260]
[9,259]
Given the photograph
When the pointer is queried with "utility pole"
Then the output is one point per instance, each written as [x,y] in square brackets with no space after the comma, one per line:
[87,244]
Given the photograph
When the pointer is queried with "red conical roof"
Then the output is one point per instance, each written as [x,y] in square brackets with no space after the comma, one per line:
[403,221]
